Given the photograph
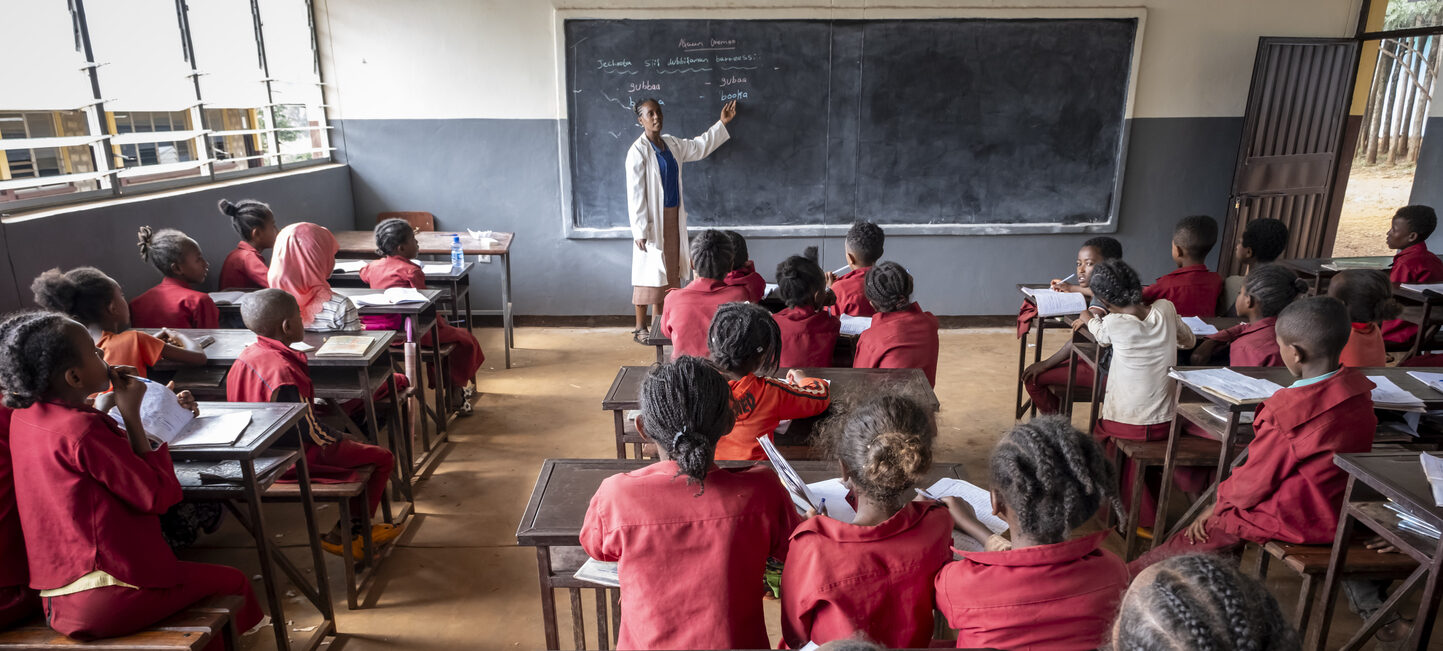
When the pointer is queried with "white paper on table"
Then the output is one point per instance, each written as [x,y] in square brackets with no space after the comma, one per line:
[802,498]
[1199,327]
[392,296]
[600,573]
[439,269]
[160,413]
[855,325]
[834,493]
[769,288]
[1228,383]
[302,346]
[979,499]
[1423,287]
[1433,380]
[1433,470]
[1387,395]
[227,298]
[350,266]
[1053,303]
[213,430]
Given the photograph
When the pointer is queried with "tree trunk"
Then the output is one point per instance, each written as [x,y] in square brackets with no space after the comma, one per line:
[1407,92]
[1380,93]
[1390,102]
[1369,108]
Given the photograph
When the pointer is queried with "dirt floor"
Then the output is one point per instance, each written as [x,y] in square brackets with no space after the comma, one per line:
[1374,193]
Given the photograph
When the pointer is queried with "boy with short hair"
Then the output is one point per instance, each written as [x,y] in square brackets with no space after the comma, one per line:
[687,312]
[1413,263]
[1263,242]
[1191,288]
[864,249]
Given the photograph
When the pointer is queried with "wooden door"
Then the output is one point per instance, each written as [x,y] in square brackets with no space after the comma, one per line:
[1292,134]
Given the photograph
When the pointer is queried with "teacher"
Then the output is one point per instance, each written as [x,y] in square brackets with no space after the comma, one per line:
[653,201]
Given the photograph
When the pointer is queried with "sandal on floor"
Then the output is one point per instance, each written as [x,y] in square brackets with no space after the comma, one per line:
[639,336]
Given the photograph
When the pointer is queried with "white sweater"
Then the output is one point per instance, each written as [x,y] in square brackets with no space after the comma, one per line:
[1139,392]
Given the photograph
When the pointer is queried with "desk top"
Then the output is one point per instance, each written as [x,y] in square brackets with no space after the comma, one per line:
[269,420]
[229,342]
[451,274]
[564,488]
[1313,267]
[403,308]
[1399,477]
[1220,322]
[1431,398]
[363,243]
[846,383]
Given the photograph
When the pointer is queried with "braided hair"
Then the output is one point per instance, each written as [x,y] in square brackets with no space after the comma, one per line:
[1196,235]
[1367,293]
[865,240]
[84,293]
[886,446]
[744,338]
[1108,247]
[391,234]
[800,279]
[1268,238]
[740,256]
[1053,477]
[636,108]
[888,286]
[163,248]
[33,348]
[246,215]
[1274,287]
[711,254]
[1200,601]
[686,407]
[1116,283]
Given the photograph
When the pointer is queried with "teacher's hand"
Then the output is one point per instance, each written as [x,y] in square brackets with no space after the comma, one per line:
[729,111]
[641,244]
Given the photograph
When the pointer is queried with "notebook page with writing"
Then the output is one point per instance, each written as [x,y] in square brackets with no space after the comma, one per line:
[1051,303]
[835,495]
[802,498]
[1199,327]
[855,325]
[208,430]
[1387,395]
[981,502]
[160,413]
[1228,384]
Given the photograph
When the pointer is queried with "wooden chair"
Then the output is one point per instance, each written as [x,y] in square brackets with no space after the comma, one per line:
[1192,451]
[564,563]
[421,221]
[341,495]
[191,629]
[1310,562]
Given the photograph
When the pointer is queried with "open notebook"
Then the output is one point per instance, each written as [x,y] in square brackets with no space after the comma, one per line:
[392,296]
[165,421]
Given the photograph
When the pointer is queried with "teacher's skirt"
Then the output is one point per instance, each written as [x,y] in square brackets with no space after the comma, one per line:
[671,253]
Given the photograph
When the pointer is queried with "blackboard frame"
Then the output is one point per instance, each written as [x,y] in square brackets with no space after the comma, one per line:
[571,230]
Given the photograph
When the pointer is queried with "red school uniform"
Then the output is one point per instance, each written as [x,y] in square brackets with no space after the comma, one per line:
[809,336]
[17,601]
[1252,344]
[761,403]
[1413,264]
[1050,597]
[1193,290]
[687,312]
[691,557]
[851,294]
[396,271]
[748,277]
[173,304]
[244,268]
[841,578]
[1365,347]
[906,338]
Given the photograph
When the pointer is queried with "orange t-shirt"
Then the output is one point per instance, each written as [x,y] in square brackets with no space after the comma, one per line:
[131,348]
[760,404]
[1365,347]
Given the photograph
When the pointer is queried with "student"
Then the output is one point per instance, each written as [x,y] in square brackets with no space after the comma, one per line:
[1369,299]
[1046,590]
[90,492]
[809,333]
[743,272]
[1191,288]
[902,335]
[1263,242]
[1046,379]
[692,540]
[872,575]
[687,312]
[305,256]
[1269,289]
[1288,488]
[172,303]
[746,341]
[1413,263]
[89,296]
[1144,340]
[244,268]
[1200,601]
[269,370]
[396,243]
[18,602]
[864,249]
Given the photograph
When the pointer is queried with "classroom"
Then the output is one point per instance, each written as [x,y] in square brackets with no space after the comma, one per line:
[631,324]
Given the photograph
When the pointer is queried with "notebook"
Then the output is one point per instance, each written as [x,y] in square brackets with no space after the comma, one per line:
[1051,303]
[349,266]
[975,496]
[392,296]
[1228,384]
[165,421]
[855,325]
[227,298]
[600,573]
[1387,395]
[345,345]
[1199,327]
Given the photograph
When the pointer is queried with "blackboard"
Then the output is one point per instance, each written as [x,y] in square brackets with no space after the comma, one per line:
[948,124]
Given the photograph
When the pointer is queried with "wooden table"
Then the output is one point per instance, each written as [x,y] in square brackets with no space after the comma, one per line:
[1037,325]
[850,384]
[1373,480]
[269,421]
[1418,308]
[455,281]
[1313,271]
[557,508]
[363,244]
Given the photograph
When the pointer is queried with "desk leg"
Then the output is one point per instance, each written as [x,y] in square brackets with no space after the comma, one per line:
[619,419]
[510,340]
[1428,602]
[1225,456]
[1073,359]
[548,600]
[318,556]
[1037,351]
[1169,465]
[1096,392]
[441,415]
[263,547]
[1021,366]
[1331,580]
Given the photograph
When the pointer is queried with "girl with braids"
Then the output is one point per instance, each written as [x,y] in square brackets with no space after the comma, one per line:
[874,574]
[744,341]
[90,492]
[744,273]
[1046,590]
[688,311]
[173,303]
[244,268]
[691,539]
[1369,298]
[1200,601]
[1266,291]
[809,333]
[902,335]
[1047,379]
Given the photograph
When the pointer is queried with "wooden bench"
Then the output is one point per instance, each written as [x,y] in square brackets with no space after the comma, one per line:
[191,629]
[1311,563]
[1192,451]
[341,494]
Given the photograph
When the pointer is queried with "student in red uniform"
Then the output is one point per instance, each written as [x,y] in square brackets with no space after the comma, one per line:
[1047,379]
[1288,489]
[172,303]
[746,341]
[1200,601]
[1268,289]
[18,602]
[89,492]
[874,574]
[864,249]
[1369,298]
[686,314]
[743,272]
[396,243]
[1413,263]
[1263,242]
[1191,288]
[692,540]
[1044,590]
[271,371]
[244,268]
[902,335]
[89,296]
[809,333]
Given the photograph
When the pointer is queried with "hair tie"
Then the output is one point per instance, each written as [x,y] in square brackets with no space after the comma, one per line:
[759,349]
[678,436]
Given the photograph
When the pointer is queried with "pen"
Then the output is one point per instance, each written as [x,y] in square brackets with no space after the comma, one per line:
[926,494]
[1067,279]
[844,269]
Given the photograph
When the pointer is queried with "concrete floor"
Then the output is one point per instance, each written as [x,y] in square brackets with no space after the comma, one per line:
[457,579]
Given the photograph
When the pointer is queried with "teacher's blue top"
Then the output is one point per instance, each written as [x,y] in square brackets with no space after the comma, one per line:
[670,177]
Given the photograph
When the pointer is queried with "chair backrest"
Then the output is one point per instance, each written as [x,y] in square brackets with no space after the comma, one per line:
[421,221]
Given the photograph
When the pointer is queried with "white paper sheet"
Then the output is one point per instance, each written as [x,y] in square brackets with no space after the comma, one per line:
[1051,303]
[978,498]
[437,269]
[160,413]
[213,430]
[1228,383]
[227,298]
[600,573]
[1433,470]
[1433,380]
[855,325]
[1199,327]
[1387,395]
[350,266]
[392,296]
[768,289]
[835,494]
[802,498]
[1423,287]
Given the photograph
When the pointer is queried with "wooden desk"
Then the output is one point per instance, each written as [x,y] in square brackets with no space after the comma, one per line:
[1374,480]
[557,508]
[1036,326]
[847,384]
[1313,272]
[1418,307]
[654,338]
[455,281]
[269,421]
[363,244]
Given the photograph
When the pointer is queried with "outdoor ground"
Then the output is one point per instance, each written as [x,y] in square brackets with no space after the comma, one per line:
[1374,192]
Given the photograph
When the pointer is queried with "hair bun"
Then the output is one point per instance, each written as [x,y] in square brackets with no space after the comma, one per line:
[227,207]
[810,253]
[1300,285]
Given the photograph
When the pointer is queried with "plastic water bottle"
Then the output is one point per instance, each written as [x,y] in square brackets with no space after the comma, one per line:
[458,259]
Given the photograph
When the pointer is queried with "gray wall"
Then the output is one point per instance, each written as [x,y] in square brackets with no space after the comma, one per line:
[105,236]
[1428,177]
[504,175]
